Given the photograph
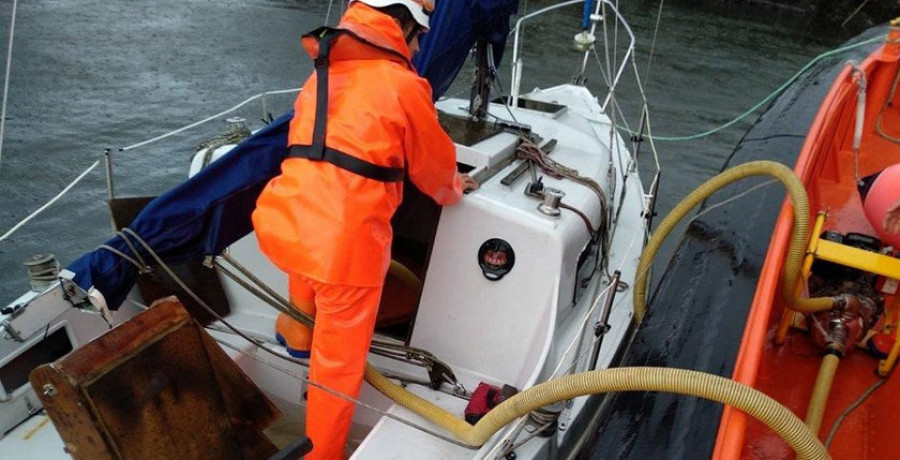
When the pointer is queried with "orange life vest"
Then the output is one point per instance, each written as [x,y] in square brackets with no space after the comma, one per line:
[322,220]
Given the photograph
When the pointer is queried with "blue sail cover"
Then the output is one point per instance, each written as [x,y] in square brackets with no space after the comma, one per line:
[211,210]
[456,26]
[200,217]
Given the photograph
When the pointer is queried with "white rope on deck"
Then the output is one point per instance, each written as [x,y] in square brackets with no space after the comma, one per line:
[12,31]
[49,203]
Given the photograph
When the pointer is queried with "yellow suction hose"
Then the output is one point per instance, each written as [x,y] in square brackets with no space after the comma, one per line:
[405,276]
[796,249]
[680,381]
[822,388]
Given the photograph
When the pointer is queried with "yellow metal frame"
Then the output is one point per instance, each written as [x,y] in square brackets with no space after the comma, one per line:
[886,365]
[860,259]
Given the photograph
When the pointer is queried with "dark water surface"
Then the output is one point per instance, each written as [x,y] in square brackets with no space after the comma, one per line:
[90,74]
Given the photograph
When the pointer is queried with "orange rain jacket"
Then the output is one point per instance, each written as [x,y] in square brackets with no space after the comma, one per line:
[332,225]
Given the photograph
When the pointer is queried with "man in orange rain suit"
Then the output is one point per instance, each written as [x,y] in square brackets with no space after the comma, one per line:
[363,120]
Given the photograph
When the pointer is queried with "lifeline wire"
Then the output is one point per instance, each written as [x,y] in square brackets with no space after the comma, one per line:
[12,32]
[42,208]
[208,119]
[768,98]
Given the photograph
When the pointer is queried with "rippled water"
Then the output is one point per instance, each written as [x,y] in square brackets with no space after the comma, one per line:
[90,74]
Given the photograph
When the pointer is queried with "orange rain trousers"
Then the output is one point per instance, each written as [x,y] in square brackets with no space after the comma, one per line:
[345,321]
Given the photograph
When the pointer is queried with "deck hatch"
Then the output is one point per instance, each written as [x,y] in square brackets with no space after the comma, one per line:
[14,374]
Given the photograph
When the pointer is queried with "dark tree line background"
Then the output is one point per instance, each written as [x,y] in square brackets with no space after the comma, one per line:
[845,17]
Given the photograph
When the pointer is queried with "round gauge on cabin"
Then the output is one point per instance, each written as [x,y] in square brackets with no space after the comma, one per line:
[496,258]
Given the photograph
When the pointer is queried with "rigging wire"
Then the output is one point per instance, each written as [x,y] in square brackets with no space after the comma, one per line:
[653,42]
[12,33]
[328,13]
[768,98]
[615,37]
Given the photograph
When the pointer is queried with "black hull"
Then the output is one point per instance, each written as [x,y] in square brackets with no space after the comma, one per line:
[698,311]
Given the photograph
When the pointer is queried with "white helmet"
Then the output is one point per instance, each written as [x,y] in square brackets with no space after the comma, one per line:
[420,9]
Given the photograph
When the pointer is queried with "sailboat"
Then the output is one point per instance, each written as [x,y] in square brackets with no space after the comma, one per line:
[511,309]
[535,290]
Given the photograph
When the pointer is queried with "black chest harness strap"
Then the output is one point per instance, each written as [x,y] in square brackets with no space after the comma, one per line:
[318,151]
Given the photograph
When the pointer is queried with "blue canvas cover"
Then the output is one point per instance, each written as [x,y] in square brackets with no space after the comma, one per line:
[200,217]
[456,26]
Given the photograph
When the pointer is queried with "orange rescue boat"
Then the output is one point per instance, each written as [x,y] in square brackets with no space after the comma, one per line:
[833,367]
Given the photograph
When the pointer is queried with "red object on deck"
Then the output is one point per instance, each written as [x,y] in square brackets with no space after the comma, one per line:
[880,345]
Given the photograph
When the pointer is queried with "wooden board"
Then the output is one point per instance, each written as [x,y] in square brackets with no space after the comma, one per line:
[156,387]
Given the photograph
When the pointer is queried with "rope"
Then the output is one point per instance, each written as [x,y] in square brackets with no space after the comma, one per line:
[257,287]
[260,345]
[137,260]
[514,432]
[766,100]
[337,394]
[851,408]
[528,150]
[133,250]
[121,254]
[231,137]
[44,207]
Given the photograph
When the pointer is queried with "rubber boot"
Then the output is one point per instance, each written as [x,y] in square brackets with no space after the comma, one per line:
[345,320]
[295,337]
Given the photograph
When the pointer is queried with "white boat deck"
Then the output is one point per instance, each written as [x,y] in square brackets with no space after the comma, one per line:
[521,330]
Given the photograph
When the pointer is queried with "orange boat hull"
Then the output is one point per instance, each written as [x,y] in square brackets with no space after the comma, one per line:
[826,166]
